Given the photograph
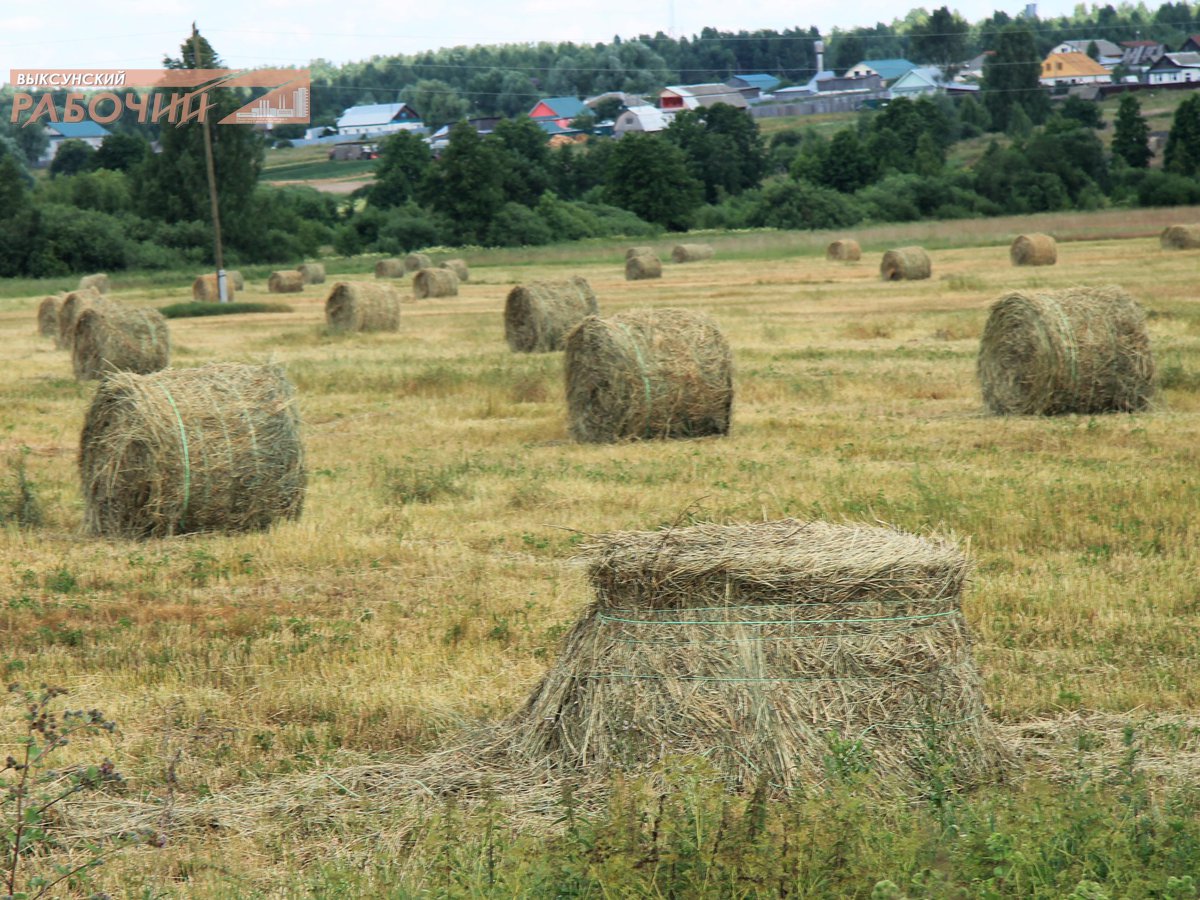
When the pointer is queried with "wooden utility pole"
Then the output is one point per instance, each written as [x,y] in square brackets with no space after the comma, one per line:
[212,183]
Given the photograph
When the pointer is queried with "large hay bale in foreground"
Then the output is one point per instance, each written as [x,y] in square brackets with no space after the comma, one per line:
[363,306]
[313,273]
[1033,250]
[539,316]
[846,250]
[653,373]
[285,282]
[459,267]
[205,289]
[216,448]
[641,268]
[905,264]
[435,283]
[97,282]
[682,253]
[389,268]
[640,251]
[72,306]
[415,262]
[47,315]
[1180,237]
[1079,350]
[119,339]
[769,649]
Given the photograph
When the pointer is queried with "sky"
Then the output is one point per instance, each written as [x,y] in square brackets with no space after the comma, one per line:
[257,33]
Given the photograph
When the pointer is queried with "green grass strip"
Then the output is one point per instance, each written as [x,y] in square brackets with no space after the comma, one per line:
[199,308]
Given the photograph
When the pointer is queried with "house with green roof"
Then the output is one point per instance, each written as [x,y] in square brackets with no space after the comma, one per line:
[887,69]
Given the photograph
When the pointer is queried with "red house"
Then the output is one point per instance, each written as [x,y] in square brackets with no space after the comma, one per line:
[560,110]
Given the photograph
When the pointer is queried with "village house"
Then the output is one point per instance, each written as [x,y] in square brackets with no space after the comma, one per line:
[1073,68]
[378,119]
[561,111]
[676,97]
[1175,68]
[640,118]
[753,87]
[887,69]
[1108,54]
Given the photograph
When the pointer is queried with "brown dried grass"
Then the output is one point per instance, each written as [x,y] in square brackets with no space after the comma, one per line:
[97,282]
[47,315]
[415,262]
[435,283]
[363,306]
[72,306]
[1180,237]
[285,282]
[389,268]
[846,250]
[1034,250]
[539,316]
[905,264]
[313,273]
[640,251]
[682,253]
[116,338]
[205,289]
[459,267]
[642,268]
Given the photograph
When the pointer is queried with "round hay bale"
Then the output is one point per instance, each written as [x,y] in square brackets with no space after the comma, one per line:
[435,283]
[118,339]
[205,290]
[653,373]
[459,267]
[1079,350]
[363,306]
[313,273]
[905,264]
[640,268]
[285,282]
[846,250]
[47,316]
[1180,237]
[415,262]
[640,251]
[763,648]
[97,282]
[216,448]
[1033,250]
[539,316]
[234,277]
[74,304]
[389,268]
[682,253]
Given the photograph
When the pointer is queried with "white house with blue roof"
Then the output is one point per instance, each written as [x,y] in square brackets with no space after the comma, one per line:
[57,132]
[379,119]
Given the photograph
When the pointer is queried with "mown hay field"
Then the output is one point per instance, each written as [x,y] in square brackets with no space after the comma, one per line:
[426,586]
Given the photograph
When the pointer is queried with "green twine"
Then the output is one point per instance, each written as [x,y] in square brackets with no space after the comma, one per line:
[187,461]
[607,618]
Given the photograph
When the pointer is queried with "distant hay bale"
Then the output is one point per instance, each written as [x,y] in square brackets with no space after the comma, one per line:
[1033,250]
[640,251]
[640,268]
[905,264]
[119,339]
[285,282]
[654,373]
[363,306]
[539,316]
[234,277]
[204,288]
[435,283]
[1079,350]
[313,273]
[389,268]
[846,250]
[1180,237]
[97,282]
[683,253]
[415,262]
[216,448]
[47,316]
[459,267]
[74,304]
[765,648]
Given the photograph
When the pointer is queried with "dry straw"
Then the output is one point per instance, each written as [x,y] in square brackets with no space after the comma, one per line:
[459,267]
[363,306]
[846,250]
[641,268]
[234,277]
[682,253]
[285,282]
[215,448]
[414,262]
[97,282]
[47,315]
[389,268]
[118,339]
[1180,237]
[905,264]
[1079,350]
[661,373]
[778,651]
[1033,250]
[435,283]
[205,289]
[640,251]
[72,306]
[313,273]
[539,316]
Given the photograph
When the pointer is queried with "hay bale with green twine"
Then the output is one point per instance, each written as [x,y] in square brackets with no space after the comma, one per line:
[415,262]
[205,289]
[1180,237]
[682,253]
[1078,350]
[764,648]
[538,316]
[653,373]
[905,264]
[642,268]
[390,268]
[119,339]
[285,282]
[72,306]
[435,283]
[363,306]
[215,448]
[1033,250]
[97,283]
[845,250]
[459,267]
[312,272]
[47,315]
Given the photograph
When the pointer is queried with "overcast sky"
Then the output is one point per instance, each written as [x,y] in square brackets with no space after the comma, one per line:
[248,33]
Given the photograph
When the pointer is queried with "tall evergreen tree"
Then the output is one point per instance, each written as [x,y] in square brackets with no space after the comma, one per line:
[941,40]
[1010,77]
[1131,134]
[1182,153]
